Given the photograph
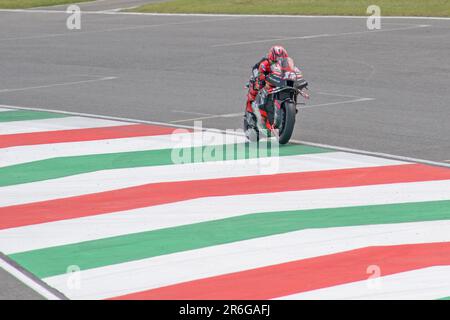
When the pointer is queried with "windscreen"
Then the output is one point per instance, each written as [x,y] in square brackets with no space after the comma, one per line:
[286,64]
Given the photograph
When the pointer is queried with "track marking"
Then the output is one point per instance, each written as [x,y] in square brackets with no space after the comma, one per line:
[98,179]
[339,95]
[55,124]
[231,115]
[16,270]
[27,279]
[427,283]
[194,113]
[114,29]
[24,154]
[240,114]
[314,144]
[80,135]
[336,103]
[227,115]
[181,267]
[372,153]
[222,15]
[283,279]
[60,233]
[58,84]
[324,35]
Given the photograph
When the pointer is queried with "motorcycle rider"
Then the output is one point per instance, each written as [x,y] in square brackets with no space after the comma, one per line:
[259,88]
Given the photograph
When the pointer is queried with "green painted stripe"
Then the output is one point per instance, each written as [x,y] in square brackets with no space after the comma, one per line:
[21,115]
[97,253]
[68,166]
[446,298]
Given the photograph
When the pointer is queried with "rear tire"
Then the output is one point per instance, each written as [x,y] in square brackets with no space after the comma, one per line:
[288,122]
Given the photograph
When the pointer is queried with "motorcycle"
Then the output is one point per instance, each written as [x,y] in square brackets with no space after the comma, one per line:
[281,103]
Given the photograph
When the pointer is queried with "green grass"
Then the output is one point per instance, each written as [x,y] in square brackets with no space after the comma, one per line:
[22,4]
[303,7]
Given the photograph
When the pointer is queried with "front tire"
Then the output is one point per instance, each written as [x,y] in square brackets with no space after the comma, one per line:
[288,122]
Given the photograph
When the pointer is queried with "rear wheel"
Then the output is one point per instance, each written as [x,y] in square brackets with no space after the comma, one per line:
[288,113]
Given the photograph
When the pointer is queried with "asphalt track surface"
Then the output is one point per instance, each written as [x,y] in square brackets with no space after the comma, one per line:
[12,289]
[381,91]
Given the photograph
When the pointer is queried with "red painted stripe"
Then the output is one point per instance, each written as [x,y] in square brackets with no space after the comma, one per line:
[167,192]
[304,275]
[78,135]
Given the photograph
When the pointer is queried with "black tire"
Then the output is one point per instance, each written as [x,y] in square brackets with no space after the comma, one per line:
[288,122]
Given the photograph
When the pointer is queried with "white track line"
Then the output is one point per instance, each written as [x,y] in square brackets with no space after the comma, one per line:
[325,35]
[339,95]
[227,115]
[54,124]
[27,280]
[422,284]
[43,36]
[107,180]
[134,276]
[206,116]
[223,15]
[240,114]
[68,231]
[57,84]
[336,103]
[377,154]
[4,109]
[191,112]
[22,154]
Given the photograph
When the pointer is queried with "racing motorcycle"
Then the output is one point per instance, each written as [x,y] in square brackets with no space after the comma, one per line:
[281,103]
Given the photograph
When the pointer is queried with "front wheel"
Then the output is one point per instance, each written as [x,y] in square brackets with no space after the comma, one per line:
[288,114]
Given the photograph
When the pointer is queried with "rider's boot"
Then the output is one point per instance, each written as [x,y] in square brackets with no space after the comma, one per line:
[250,126]
[261,114]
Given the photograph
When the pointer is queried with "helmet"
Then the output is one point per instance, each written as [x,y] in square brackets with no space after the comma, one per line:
[277,52]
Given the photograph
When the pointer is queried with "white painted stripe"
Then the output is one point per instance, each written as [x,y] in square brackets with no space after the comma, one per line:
[115,30]
[28,126]
[31,283]
[221,15]
[375,154]
[315,36]
[60,84]
[134,276]
[4,109]
[130,120]
[422,284]
[107,180]
[239,114]
[213,208]
[21,154]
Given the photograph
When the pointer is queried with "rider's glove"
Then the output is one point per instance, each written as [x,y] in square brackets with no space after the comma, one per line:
[301,84]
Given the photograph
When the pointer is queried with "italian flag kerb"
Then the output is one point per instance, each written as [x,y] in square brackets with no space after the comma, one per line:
[107,197]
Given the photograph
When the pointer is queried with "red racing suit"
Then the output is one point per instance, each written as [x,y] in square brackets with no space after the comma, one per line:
[256,84]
